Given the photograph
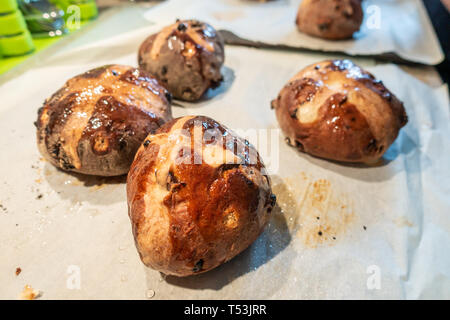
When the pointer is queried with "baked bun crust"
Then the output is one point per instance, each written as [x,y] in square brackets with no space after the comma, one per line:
[336,110]
[186,57]
[191,213]
[96,122]
[330,19]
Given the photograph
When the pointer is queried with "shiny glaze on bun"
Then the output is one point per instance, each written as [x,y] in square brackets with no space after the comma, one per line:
[186,57]
[338,111]
[96,122]
[196,203]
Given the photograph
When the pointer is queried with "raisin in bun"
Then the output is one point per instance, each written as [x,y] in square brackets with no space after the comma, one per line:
[192,212]
[186,57]
[96,122]
[336,110]
[330,19]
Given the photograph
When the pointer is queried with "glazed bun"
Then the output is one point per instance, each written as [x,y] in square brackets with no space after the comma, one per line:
[186,57]
[196,203]
[330,19]
[96,122]
[336,110]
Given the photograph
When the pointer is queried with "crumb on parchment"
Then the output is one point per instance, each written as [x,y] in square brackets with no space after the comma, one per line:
[28,293]
[18,271]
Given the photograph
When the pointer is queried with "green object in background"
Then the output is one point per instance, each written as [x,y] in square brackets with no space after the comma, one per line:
[7,6]
[15,39]
[63,4]
[12,23]
[43,19]
[17,45]
[88,8]
[8,63]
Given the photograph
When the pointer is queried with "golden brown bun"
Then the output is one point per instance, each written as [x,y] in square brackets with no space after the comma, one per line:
[191,213]
[336,110]
[330,19]
[96,122]
[186,57]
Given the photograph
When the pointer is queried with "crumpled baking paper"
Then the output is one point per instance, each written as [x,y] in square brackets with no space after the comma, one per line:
[385,229]
[390,26]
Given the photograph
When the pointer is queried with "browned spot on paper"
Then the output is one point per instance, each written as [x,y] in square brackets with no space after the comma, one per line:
[325,215]
[316,210]
[98,187]
[47,172]
[228,16]
[403,222]
[18,271]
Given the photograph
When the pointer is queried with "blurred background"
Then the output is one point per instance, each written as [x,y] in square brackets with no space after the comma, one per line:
[29,26]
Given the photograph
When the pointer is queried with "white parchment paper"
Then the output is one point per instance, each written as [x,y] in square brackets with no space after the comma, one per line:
[385,228]
[400,26]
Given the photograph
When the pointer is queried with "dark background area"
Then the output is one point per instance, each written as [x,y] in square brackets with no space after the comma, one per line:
[440,17]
